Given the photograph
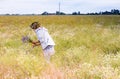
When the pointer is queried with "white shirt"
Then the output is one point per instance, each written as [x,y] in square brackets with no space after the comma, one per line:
[44,37]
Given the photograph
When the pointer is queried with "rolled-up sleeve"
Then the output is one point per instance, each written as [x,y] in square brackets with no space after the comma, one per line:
[41,39]
[40,36]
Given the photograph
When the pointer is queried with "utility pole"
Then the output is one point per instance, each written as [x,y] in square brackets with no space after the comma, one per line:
[59,7]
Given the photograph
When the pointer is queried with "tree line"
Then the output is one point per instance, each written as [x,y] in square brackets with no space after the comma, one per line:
[112,12]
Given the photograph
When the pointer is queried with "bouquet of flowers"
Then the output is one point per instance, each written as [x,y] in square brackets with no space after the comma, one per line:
[26,39]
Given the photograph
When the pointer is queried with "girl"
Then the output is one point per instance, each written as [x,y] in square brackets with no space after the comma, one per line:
[44,39]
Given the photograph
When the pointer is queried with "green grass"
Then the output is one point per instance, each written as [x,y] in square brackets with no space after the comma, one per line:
[87,47]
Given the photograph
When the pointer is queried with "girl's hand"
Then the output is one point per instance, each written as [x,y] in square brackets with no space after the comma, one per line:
[34,45]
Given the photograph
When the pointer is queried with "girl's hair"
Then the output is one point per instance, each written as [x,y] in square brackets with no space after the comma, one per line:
[35,25]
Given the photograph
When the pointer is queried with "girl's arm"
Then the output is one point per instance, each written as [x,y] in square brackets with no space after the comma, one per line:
[37,43]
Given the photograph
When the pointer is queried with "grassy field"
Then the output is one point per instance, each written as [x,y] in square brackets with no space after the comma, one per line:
[87,47]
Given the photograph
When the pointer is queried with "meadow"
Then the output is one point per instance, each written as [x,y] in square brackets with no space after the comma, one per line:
[87,47]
